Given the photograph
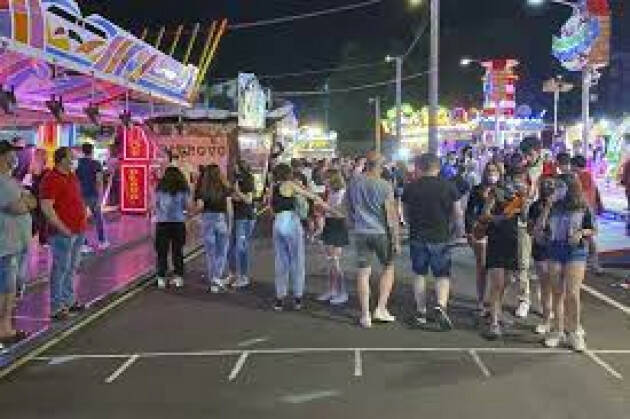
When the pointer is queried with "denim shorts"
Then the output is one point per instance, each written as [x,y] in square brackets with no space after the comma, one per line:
[434,255]
[8,273]
[562,252]
[369,244]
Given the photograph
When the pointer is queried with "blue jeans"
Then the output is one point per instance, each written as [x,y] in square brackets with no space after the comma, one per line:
[243,230]
[216,240]
[8,273]
[93,202]
[66,253]
[288,243]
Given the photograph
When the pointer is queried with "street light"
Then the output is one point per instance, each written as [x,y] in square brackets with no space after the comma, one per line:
[465,62]
[538,3]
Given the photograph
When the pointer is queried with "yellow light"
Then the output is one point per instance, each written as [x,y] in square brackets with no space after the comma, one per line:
[415,3]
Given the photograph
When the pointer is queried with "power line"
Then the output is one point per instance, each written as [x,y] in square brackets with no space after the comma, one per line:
[292,18]
[310,72]
[348,89]
[421,30]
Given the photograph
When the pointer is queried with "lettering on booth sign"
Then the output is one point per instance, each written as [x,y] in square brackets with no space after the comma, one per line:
[134,188]
[199,150]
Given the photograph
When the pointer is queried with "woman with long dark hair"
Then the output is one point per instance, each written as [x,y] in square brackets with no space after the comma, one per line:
[213,196]
[172,199]
[244,222]
[540,234]
[335,236]
[474,209]
[288,235]
[570,223]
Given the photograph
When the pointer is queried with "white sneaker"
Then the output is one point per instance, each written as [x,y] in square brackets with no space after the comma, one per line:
[580,331]
[522,310]
[326,296]
[576,342]
[177,282]
[224,282]
[216,286]
[365,322]
[241,282]
[104,245]
[542,329]
[161,283]
[554,339]
[383,315]
[85,249]
[339,299]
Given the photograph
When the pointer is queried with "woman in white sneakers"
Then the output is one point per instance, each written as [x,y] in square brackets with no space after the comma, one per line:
[335,237]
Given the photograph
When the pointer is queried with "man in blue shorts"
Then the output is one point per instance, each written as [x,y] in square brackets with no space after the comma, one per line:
[431,209]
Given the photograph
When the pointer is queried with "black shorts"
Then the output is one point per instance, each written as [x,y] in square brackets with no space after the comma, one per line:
[335,232]
[502,250]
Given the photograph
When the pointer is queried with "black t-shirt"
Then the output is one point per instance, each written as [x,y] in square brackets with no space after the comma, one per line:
[217,203]
[243,211]
[87,172]
[429,202]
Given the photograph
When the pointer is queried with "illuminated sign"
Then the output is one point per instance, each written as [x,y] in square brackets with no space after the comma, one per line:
[199,151]
[135,144]
[133,189]
[252,102]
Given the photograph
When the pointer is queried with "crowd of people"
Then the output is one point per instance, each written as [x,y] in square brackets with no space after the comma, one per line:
[512,206]
[52,204]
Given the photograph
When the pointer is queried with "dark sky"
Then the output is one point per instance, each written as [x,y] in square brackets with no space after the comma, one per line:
[476,28]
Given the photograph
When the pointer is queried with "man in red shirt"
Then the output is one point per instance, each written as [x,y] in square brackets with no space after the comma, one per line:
[64,209]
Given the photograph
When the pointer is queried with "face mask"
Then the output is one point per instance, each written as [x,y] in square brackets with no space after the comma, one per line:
[74,164]
[493,179]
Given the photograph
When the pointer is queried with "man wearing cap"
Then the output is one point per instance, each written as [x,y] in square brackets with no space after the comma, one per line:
[373,214]
[64,209]
[15,226]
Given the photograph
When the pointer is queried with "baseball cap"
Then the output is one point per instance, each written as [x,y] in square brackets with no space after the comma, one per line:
[6,146]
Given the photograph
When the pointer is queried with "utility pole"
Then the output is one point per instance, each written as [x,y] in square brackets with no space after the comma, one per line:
[399,62]
[434,67]
[326,106]
[586,100]
[377,122]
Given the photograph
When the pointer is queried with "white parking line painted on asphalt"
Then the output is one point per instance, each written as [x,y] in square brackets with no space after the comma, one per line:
[358,364]
[61,360]
[238,366]
[128,363]
[309,397]
[606,299]
[603,364]
[484,369]
[252,342]
[297,351]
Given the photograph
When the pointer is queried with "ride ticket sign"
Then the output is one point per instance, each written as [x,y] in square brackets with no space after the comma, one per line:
[133,191]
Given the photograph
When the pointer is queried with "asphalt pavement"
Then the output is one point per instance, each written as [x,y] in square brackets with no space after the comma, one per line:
[189,354]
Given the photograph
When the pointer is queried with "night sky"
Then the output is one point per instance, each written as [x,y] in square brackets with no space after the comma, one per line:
[475,28]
